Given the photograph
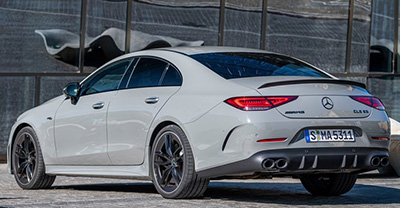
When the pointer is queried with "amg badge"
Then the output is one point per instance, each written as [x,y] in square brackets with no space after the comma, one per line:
[360,111]
[295,112]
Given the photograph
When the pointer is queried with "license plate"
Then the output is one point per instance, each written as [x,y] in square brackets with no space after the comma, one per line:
[329,135]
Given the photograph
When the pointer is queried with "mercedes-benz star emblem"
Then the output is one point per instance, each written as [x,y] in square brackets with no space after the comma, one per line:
[327,103]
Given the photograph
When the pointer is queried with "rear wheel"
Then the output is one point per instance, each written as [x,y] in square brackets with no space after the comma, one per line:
[329,184]
[27,160]
[172,166]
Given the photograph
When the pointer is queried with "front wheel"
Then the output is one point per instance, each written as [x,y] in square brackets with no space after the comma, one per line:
[27,161]
[329,184]
[172,165]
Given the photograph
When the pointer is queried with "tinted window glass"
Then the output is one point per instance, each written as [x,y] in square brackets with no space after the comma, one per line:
[147,73]
[240,65]
[127,75]
[106,79]
[172,77]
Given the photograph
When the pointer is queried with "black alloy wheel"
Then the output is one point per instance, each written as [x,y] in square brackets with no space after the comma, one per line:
[27,161]
[172,165]
[25,158]
[169,162]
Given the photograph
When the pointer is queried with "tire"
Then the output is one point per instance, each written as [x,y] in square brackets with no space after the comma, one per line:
[329,184]
[172,167]
[27,161]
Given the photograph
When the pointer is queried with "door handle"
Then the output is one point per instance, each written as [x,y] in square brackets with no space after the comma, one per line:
[98,105]
[151,100]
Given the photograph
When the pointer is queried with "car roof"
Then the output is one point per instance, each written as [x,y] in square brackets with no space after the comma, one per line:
[193,50]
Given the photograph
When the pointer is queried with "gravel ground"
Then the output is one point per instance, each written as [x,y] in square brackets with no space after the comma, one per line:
[370,190]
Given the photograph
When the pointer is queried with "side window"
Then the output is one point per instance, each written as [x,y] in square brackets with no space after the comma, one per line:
[172,77]
[147,73]
[128,73]
[106,79]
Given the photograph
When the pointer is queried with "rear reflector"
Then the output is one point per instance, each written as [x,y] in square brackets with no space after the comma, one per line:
[259,103]
[370,101]
[272,140]
[381,138]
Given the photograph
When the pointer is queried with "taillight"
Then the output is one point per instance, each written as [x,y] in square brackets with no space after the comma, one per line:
[272,140]
[370,101]
[381,138]
[259,103]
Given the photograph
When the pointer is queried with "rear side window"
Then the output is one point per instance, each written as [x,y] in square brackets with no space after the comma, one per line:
[241,65]
[147,73]
[172,77]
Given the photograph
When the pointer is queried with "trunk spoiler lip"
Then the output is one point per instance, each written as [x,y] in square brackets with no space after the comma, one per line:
[313,81]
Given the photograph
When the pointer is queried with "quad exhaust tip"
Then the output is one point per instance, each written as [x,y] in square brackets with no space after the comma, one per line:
[279,163]
[268,164]
[385,161]
[377,161]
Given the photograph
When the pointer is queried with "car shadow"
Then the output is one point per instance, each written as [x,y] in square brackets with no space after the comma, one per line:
[114,187]
[12,198]
[272,193]
[295,194]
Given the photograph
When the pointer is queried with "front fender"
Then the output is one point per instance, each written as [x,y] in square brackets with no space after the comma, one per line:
[41,119]
[14,131]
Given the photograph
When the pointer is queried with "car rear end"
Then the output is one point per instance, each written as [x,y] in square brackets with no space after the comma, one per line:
[302,122]
[294,131]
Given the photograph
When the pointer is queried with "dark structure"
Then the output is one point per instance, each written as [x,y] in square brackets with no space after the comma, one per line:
[98,50]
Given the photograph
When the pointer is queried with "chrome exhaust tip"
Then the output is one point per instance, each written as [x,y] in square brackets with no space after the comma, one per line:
[375,161]
[268,164]
[281,163]
[384,161]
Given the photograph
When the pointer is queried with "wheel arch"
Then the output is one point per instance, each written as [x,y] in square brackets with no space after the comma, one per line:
[158,129]
[14,135]
[191,184]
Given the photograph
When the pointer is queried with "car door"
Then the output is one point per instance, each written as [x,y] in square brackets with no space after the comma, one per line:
[80,128]
[134,108]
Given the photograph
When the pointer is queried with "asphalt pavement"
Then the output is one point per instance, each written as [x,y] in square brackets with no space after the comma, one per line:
[370,191]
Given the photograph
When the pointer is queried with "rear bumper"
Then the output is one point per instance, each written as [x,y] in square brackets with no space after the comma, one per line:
[303,161]
[227,135]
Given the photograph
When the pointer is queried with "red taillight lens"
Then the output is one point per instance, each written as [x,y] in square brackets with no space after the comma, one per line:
[381,138]
[259,103]
[370,101]
[273,140]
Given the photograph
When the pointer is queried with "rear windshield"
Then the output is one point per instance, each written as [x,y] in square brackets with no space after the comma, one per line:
[241,65]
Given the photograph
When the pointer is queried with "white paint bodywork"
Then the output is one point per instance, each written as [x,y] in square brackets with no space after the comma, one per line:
[80,131]
[128,122]
[114,141]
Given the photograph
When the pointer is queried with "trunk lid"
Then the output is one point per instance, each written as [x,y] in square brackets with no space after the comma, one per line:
[318,98]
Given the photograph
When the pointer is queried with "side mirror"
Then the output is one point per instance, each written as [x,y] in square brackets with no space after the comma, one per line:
[72,91]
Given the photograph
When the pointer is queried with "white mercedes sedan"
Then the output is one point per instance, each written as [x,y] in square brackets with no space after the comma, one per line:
[183,116]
